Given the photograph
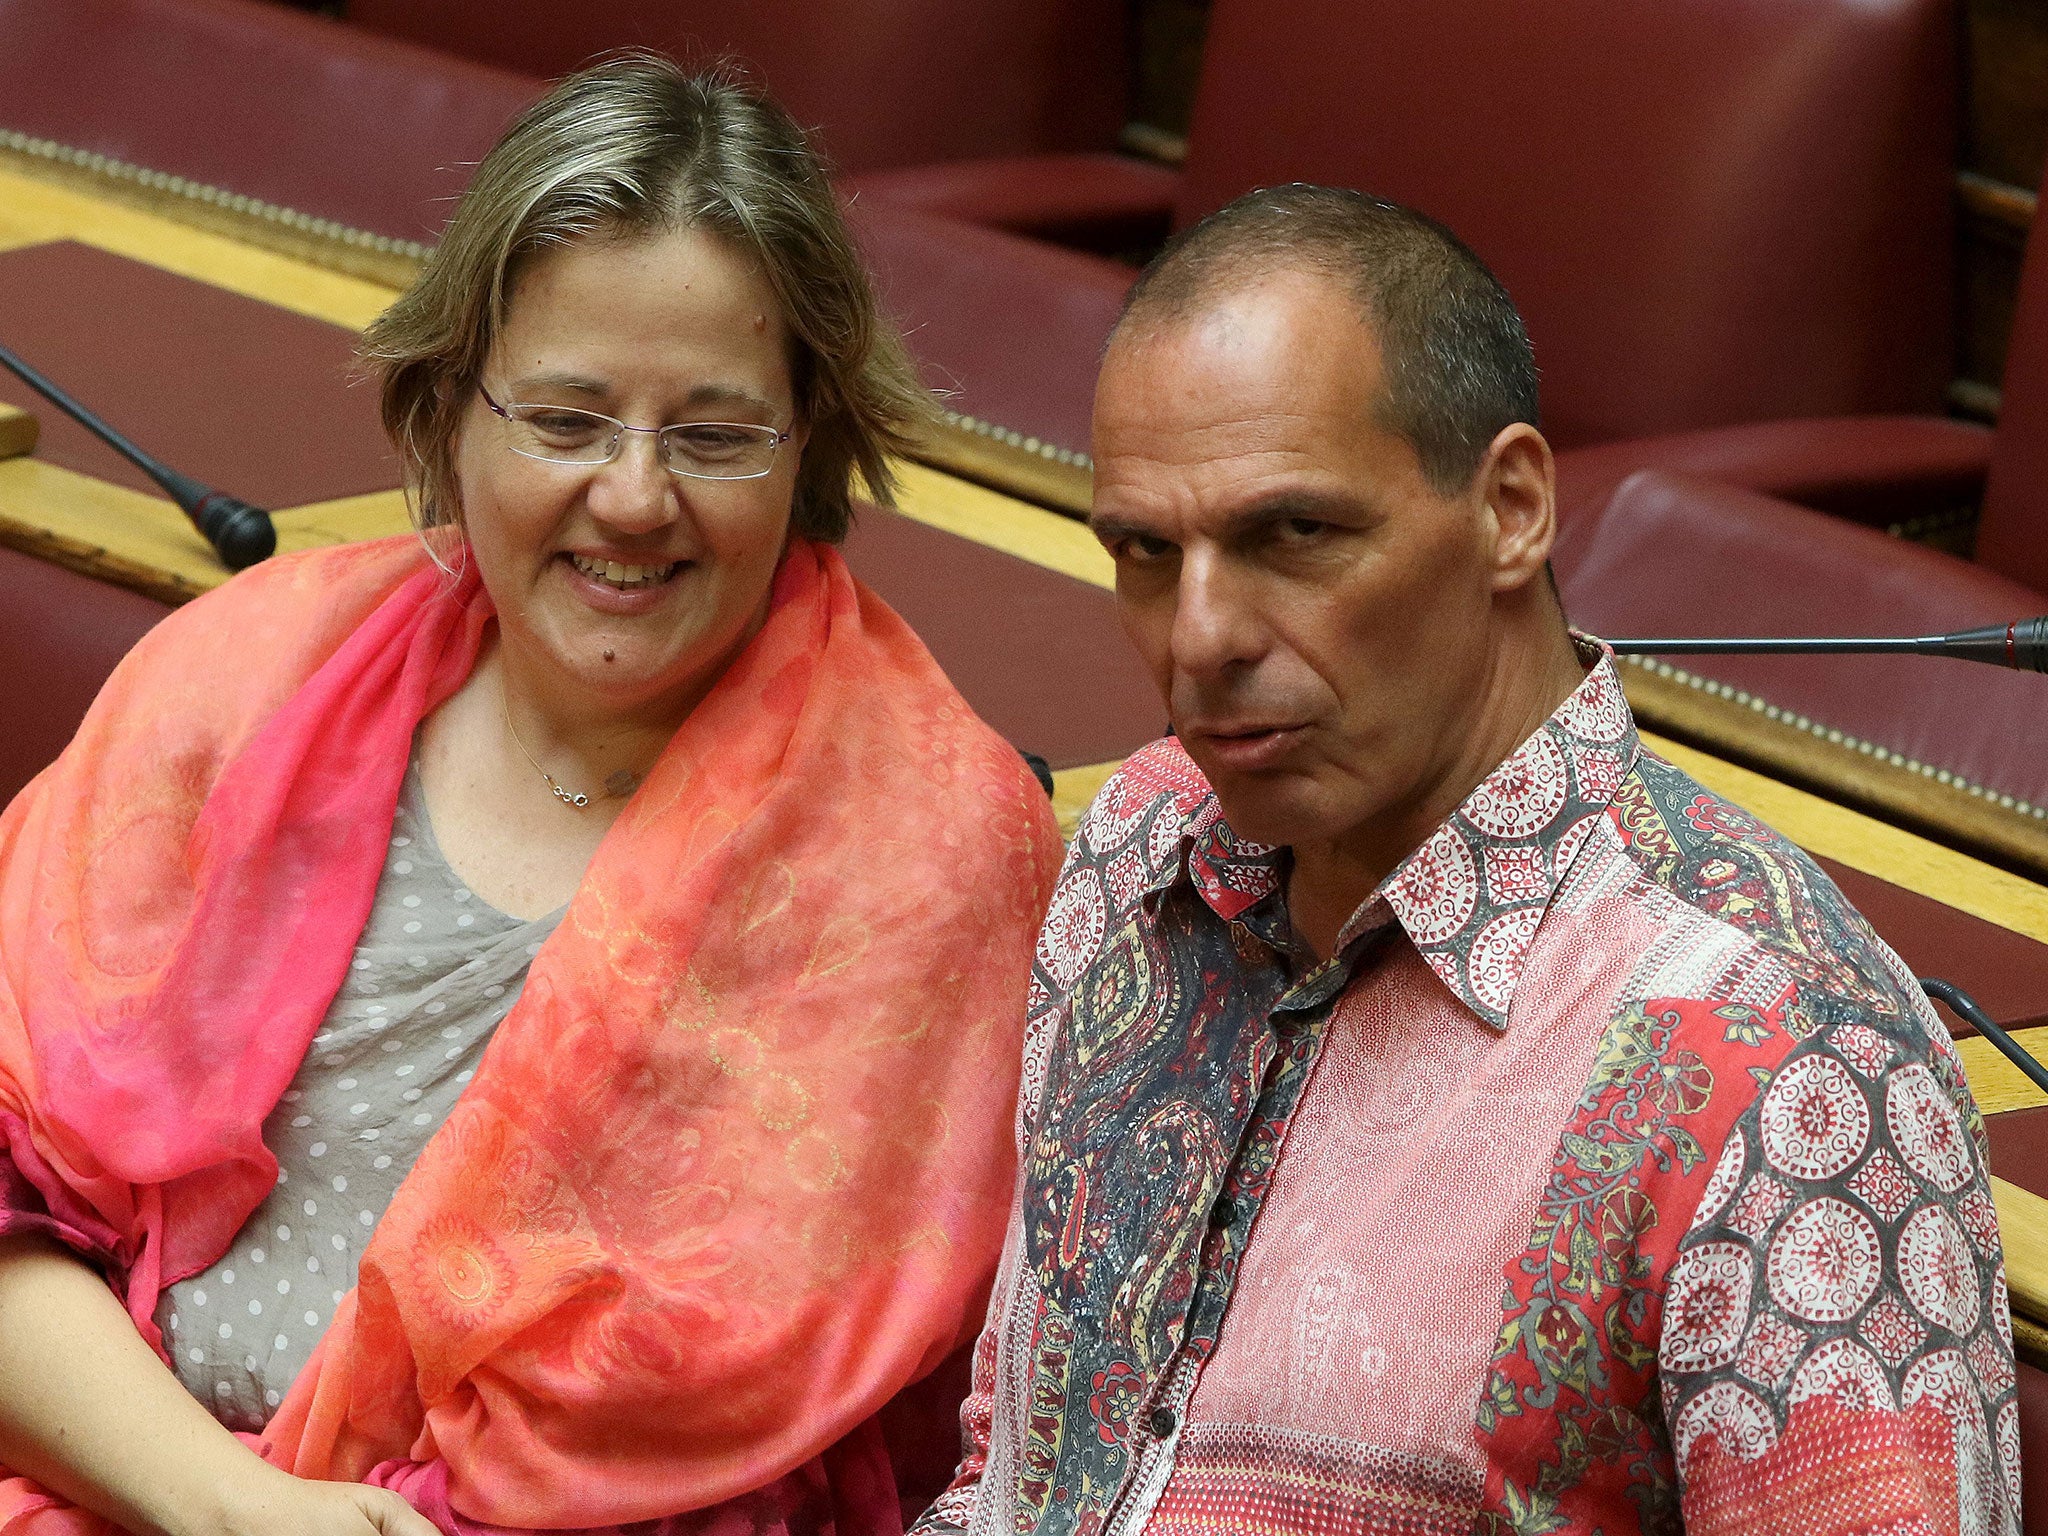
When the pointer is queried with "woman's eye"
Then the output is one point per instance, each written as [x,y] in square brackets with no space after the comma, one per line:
[715,442]
[565,426]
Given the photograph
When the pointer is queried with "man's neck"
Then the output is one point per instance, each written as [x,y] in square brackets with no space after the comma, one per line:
[1526,684]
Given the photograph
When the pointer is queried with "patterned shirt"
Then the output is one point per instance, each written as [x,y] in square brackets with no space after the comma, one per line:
[1610,1175]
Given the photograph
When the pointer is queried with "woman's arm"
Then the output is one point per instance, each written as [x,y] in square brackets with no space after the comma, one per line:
[87,1410]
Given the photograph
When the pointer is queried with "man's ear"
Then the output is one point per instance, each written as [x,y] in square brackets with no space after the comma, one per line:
[1518,483]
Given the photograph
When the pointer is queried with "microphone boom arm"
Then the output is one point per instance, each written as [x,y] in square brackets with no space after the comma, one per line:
[239,533]
[2022,644]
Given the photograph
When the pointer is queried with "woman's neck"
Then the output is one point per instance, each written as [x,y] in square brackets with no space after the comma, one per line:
[590,741]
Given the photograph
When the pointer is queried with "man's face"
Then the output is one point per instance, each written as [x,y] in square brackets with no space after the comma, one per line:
[1314,612]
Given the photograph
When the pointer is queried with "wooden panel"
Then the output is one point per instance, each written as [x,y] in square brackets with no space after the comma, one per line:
[2023,1228]
[1997,1085]
[18,432]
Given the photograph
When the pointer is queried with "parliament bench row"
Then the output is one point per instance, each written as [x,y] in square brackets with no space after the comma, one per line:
[1729,225]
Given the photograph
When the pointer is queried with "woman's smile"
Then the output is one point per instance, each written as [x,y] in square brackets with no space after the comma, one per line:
[619,588]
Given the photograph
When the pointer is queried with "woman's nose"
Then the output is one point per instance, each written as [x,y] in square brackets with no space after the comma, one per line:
[634,492]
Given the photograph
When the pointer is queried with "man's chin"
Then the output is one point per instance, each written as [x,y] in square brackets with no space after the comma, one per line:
[1272,808]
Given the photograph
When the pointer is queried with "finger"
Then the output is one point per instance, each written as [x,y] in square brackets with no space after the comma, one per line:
[390,1514]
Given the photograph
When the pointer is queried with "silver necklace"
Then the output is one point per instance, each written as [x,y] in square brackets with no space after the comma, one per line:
[567,797]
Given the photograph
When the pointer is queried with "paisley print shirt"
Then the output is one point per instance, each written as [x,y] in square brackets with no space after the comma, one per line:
[1611,1176]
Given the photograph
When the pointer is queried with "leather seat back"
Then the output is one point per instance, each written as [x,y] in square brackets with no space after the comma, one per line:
[1009,330]
[1785,570]
[891,83]
[2012,535]
[1709,211]
[2033,1384]
[259,100]
[60,635]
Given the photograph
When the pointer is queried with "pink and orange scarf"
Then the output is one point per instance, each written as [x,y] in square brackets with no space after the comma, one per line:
[734,1170]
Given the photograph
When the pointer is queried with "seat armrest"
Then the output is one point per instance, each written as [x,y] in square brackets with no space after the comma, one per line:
[1099,202]
[1881,470]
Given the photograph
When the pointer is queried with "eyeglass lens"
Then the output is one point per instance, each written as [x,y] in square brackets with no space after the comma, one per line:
[714,450]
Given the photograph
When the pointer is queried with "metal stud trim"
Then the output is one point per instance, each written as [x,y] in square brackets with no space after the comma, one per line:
[1840,738]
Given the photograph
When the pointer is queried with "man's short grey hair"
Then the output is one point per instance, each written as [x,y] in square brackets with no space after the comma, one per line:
[1457,358]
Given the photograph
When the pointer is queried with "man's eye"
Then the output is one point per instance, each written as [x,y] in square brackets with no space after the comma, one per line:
[1142,547]
[1302,527]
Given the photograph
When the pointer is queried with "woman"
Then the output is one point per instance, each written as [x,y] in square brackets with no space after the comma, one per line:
[527,1023]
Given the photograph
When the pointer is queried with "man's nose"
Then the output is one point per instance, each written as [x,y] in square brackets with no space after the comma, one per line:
[634,492]
[1217,624]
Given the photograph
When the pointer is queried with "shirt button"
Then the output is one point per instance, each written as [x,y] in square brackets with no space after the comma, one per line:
[1223,1212]
[1163,1422]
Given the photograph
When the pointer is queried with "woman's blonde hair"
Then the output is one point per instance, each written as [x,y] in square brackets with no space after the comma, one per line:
[636,146]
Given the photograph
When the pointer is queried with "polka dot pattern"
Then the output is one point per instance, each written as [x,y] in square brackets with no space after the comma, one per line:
[401,1039]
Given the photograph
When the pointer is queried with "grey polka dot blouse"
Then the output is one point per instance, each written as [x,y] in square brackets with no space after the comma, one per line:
[434,971]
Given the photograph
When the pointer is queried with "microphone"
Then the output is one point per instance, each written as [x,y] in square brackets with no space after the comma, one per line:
[239,533]
[2022,645]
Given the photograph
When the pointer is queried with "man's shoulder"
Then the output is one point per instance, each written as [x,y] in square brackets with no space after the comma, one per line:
[1144,808]
[1742,898]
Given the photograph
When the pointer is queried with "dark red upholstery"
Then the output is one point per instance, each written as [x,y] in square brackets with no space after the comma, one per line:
[258,99]
[1010,328]
[379,134]
[1708,211]
[1873,469]
[2012,534]
[1099,202]
[1878,471]
[2033,1386]
[60,635]
[889,82]
[1671,556]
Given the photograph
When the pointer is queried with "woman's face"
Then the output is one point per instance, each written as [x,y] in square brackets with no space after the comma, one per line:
[624,579]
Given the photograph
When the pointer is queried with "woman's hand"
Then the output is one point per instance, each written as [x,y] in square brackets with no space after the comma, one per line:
[278,1504]
[90,1412]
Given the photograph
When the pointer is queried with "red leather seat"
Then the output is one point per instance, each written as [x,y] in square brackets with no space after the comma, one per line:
[60,635]
[1671,556]
[1882,470]
[2033,1385]
[887,84]
[378,134]
[1709,211]
[259,100]
[1010,330]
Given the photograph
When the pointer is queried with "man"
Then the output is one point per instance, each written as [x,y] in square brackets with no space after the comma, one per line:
[1441,1114]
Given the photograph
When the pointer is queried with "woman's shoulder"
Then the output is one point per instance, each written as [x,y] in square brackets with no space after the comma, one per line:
[241,648]
[277,608]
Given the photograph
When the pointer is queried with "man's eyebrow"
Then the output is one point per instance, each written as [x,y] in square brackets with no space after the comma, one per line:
[1108,527]
[1313,506]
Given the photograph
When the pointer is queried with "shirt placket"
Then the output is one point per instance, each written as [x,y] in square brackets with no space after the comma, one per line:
[1295,1027]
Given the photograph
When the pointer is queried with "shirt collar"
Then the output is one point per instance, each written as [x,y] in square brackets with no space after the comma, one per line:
[1471,897]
